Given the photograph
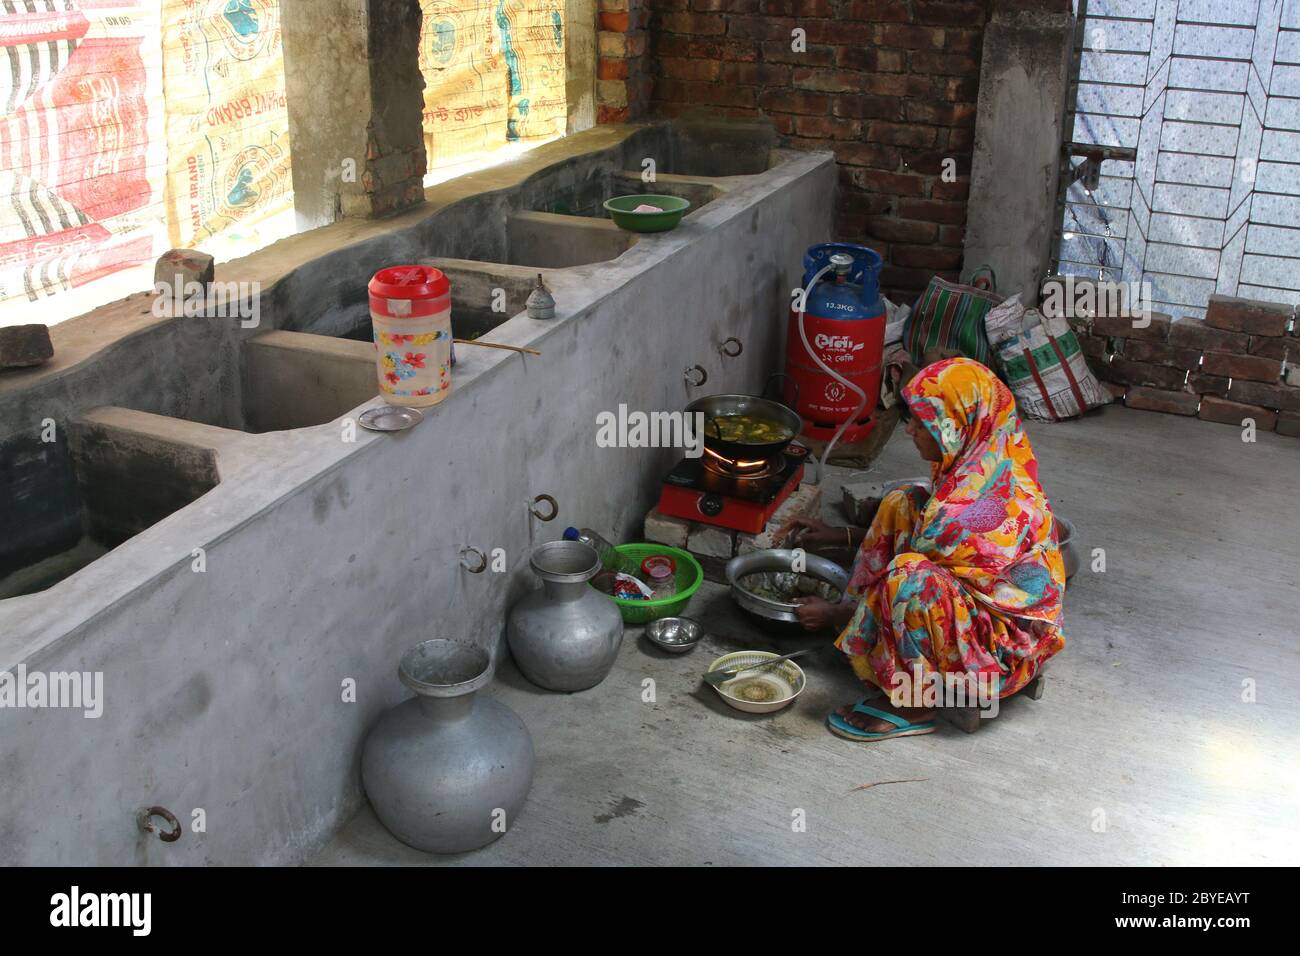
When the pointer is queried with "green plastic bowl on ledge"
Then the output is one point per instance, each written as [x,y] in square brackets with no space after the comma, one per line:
[670,210]
[689,578]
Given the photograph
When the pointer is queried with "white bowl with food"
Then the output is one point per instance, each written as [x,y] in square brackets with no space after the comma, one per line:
[761,691]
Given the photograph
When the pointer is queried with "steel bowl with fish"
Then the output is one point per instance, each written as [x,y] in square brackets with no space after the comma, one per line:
[765,583]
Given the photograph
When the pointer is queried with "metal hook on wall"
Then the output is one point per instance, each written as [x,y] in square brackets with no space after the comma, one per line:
[731,347]
[695,376]
[475,567]
[540,516]
[145,821]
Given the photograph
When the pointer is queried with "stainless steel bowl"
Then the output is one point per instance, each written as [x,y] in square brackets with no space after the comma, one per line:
[779,559]
[676,635]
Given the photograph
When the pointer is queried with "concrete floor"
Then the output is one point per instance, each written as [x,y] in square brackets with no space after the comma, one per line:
[1142,750]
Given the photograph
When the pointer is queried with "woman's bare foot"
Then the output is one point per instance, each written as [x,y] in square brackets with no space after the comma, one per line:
[877,725]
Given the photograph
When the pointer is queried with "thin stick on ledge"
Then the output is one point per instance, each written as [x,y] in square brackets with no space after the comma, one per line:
[497,345]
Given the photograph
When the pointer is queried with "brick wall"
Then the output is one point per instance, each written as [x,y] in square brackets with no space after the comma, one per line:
[888,85]
[1242,361]
[622,61]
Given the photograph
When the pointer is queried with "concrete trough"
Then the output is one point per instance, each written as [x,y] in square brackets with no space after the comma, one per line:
[248,639]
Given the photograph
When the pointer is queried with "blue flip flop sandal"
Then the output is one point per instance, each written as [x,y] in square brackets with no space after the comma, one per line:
[842,728]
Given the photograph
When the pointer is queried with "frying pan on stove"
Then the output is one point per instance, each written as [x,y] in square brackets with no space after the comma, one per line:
[719,406]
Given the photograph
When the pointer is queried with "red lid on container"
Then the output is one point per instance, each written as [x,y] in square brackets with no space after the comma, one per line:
[409,282]
[658,566]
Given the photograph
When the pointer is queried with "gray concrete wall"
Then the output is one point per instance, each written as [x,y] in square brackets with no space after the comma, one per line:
[325,559]
[1018,133]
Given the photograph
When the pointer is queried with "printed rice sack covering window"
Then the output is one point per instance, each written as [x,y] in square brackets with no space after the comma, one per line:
[227,119]
[112,151]
[494,73]
[78,182]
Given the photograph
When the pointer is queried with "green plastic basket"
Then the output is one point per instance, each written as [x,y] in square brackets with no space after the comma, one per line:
[689,578]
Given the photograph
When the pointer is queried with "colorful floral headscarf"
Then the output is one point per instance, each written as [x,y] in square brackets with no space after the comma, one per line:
[988,522]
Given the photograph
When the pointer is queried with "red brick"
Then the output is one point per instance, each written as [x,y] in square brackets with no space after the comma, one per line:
[871,59]
[926,257]
[957,189]
[867,204]
[880,11]
[960,89]
[1282,397]
[1195,334]
[838,32]
[867,106]
[1132,327]
[827,127]
[795,101]
[828,81]
[960,139]
[1288,423]
[952,236]
[1234,413]
[1158,400]
[615,22]
[1117,392]
[895,184]
[941,114]
[908,37]
[1257,368]
[672,44]
[896,84]
[776,52]
[1203,384]
[897,277]
[940,64]
[606,114]
[867,154]
[1247,315]
[892,229]
[933,210]
[947,14]
[901,134]
[1144,373]
[756,74]
[784,125]
[611,69]
[935,162]
[1095,346]
[695,24]
[764,28]
[963,41]
[679,69]
[1158,353]
[1280,347]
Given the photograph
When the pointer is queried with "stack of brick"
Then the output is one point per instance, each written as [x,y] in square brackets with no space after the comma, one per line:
[889,86]
[1241,362]
[622,70]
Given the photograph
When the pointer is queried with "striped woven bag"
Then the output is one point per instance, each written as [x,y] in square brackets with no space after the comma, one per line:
[950,315]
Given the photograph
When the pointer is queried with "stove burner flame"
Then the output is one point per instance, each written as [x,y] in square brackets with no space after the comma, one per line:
[740,467]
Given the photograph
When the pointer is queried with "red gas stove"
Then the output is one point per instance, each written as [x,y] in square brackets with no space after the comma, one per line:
[740,495]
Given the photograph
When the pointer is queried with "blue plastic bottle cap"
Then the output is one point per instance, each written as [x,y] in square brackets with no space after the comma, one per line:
[571,534]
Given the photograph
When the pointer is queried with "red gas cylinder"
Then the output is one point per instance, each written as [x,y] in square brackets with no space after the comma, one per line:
[844,321]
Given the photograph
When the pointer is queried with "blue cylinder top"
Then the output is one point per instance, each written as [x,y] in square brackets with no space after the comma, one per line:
[863,279]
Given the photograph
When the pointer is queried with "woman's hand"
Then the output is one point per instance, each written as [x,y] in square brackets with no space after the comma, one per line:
[817,614]
[812,534]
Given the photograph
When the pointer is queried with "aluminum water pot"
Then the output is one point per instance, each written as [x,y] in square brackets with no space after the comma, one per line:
[565,635]
[447,770]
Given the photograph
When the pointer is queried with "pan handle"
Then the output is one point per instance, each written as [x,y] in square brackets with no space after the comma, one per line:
[793,380]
